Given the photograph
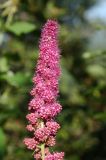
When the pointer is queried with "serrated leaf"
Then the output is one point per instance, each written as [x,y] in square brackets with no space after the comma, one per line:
[20,27]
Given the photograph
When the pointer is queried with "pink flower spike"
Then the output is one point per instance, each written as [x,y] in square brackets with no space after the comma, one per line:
[43,106]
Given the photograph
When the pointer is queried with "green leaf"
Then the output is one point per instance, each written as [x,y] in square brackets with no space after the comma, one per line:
[20,27]
[2,141]
[3,65]
[75,157]
[101,116]
[96,70]
[19,79]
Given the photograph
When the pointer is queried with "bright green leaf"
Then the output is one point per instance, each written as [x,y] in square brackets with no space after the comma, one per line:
[20,27]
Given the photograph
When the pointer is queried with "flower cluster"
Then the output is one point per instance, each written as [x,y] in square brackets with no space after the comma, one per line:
[44,106]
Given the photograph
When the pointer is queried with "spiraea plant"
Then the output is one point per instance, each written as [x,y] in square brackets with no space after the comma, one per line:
[44,107]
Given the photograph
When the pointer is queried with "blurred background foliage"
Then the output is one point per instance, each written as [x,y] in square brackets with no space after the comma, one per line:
[82,41]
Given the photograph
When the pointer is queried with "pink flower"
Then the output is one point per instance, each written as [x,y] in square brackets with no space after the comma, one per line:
[42,134]
[30,128]
[32,117]
[36,103]
[53,127]
[44,106]
[30,143]
[55,156]
[51,141]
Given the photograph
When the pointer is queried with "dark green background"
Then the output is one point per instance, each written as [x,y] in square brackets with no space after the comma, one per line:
[82,84]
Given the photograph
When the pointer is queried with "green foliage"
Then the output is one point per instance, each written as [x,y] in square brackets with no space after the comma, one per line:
[82,83]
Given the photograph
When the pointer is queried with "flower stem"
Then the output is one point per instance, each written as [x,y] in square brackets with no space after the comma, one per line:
[43,151]
[42,145]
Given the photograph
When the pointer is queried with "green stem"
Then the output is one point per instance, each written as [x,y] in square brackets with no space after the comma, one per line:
[42,145]
[43,151]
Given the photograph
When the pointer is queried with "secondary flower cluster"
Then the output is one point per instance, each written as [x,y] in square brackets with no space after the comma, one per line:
[44,107]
